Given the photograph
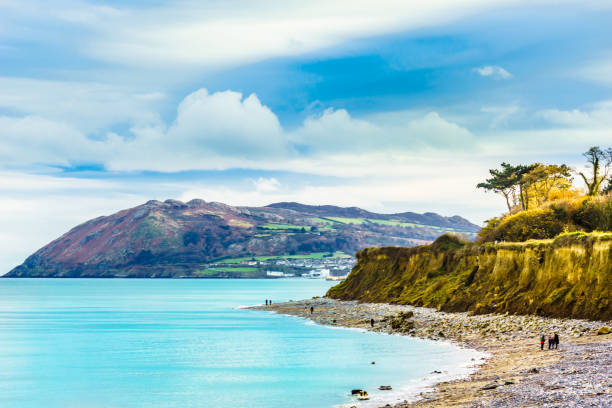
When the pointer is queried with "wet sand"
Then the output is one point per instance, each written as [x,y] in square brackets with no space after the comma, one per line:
[517,373]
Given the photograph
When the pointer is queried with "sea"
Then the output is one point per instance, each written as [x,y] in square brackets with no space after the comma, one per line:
[191,343]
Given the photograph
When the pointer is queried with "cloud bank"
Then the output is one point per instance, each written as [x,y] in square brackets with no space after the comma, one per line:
[224,130]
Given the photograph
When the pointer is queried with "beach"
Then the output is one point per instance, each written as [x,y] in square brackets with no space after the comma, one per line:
[516,373]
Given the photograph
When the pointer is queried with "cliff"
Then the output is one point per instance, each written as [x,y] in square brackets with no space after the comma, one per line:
[570,276]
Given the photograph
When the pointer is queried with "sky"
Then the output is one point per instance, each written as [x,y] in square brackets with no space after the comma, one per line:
[391,106]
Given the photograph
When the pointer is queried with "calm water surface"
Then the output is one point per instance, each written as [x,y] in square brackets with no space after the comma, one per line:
[185,343]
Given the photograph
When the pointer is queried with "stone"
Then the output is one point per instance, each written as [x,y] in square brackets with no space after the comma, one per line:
[490,386]
[603,330]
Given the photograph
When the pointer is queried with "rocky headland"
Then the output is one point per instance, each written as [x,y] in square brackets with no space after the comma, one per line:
[174,239]
[517,373]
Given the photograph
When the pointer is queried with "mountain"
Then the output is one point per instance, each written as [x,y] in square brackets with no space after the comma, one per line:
[172,238]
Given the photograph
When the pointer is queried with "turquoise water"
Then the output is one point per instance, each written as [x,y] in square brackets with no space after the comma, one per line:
[185,343]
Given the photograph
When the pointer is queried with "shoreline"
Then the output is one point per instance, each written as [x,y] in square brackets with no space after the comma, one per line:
[516,373]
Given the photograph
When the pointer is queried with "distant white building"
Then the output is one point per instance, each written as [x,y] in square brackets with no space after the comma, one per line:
[275,274]
[278,274]
[321,273]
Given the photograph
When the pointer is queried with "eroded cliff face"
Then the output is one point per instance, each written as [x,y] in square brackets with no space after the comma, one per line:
[570,276]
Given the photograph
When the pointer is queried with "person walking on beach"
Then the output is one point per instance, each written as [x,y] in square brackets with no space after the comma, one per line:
[551,342]
[311,309]
[556,340]
[266,302]
[372,322]
[542,341]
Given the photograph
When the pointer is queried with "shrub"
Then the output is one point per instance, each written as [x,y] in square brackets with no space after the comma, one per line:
[487,233]
[450,241]
[568,215]
[594,214]
[540,223]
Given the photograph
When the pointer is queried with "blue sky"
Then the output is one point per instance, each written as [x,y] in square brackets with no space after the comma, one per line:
[105,105]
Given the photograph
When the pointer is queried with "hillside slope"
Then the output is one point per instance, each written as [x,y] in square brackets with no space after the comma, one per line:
[570,276]
[174,238]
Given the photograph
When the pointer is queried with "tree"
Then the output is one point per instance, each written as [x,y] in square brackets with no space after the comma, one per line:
[508,181]
[543,179]
[600,162]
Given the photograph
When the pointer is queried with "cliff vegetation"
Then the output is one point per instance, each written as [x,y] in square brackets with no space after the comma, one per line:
[569,276]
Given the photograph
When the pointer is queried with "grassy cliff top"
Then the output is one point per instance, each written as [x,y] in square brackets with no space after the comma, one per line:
[568,276]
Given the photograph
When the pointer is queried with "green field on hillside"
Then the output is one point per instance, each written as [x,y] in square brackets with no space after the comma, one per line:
[398,223]
[314,255]
[273,226]
[323,220]
[344,220]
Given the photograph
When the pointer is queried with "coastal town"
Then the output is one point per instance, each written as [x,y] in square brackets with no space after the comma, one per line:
[331,266]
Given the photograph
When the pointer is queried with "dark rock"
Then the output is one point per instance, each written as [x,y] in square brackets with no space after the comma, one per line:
[490,386]
[402,323]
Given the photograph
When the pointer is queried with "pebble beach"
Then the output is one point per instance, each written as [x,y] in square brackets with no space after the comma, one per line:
[516,373]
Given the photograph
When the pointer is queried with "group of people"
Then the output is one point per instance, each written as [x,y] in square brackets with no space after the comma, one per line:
[553,342]
[268,302]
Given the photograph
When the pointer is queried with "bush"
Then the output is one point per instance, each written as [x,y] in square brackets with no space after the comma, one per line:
[450,241]
[487,233]
[594,214]
[531,224]
[570,215]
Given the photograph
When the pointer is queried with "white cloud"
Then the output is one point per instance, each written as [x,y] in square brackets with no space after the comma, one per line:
[33,140]
[500,114]
[87,106]
[493,71]
[209,34]
[597,71]
[266,185]
[210,131]
[336,132]
[227,130]
[224,130]
[598,115]
[572,117]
